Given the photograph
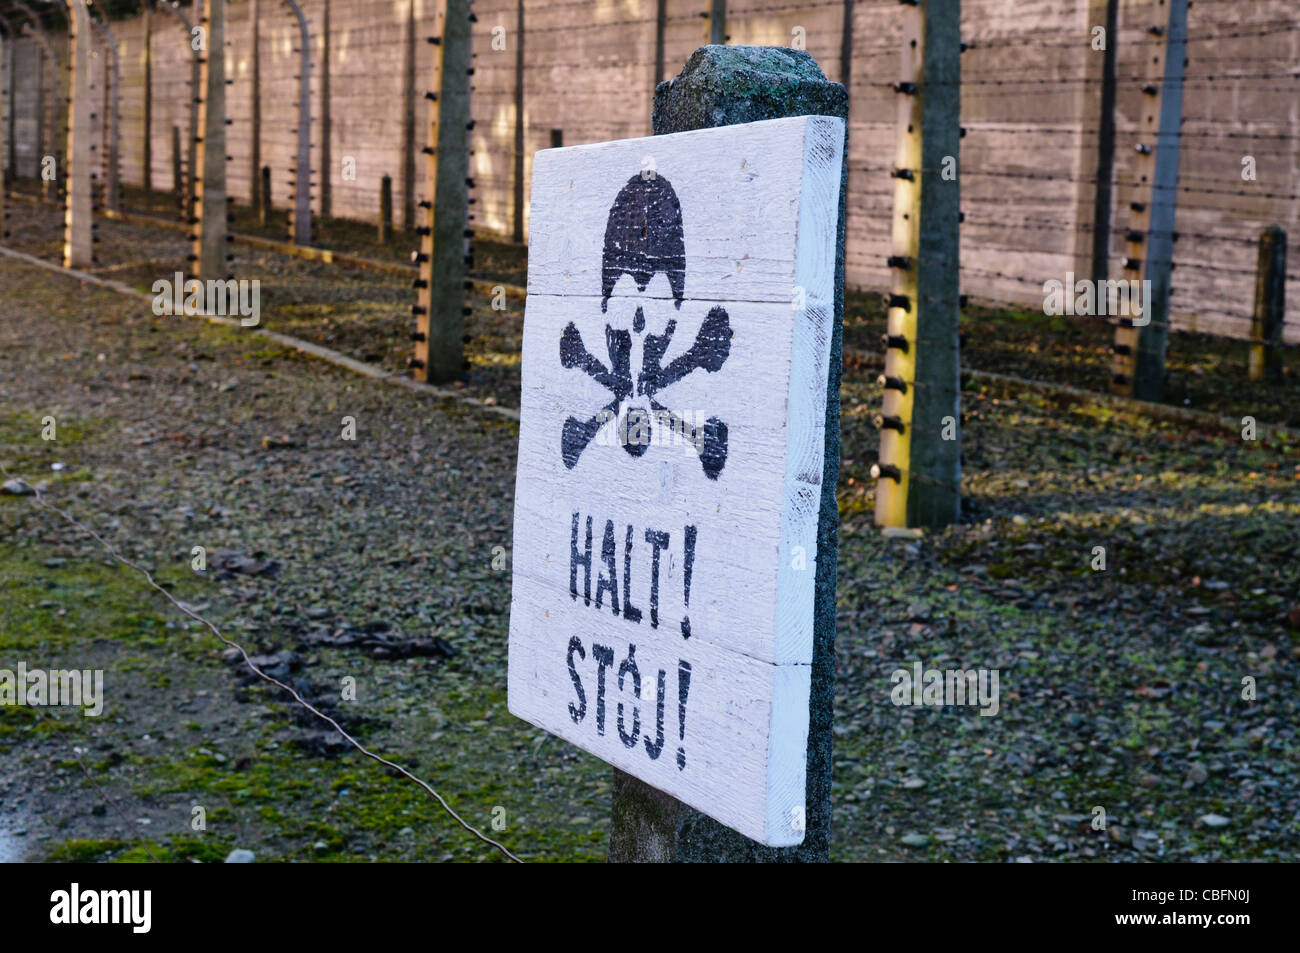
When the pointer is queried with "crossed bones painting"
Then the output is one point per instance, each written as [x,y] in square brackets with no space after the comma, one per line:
[645,250]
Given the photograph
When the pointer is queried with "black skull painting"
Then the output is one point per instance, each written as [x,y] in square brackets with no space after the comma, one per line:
[644,238]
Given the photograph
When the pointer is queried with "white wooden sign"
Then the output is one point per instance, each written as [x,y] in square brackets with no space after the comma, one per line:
[675,353]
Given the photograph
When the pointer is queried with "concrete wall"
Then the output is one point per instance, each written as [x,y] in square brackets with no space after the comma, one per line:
[1031,102]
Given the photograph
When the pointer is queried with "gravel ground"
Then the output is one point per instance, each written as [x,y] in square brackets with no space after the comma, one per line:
[1121,690]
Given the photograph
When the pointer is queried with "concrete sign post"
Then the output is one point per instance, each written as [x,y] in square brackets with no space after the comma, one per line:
[6,52]
[1269,316]
[681,310]
[918,473]
[196,98]
[444,255]
[47,137]
[255,109]
[11,99]
[722,86]
[209,243]
[1138,360]
[112,120]
[77,216]
[300,217]
[146,96]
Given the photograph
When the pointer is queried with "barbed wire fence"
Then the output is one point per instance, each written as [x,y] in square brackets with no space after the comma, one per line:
[1047,128]
[1036,148]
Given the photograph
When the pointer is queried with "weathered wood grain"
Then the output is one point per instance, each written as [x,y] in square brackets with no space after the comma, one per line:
[752,192]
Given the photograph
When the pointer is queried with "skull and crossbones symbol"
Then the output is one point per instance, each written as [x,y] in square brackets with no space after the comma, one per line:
[644,239]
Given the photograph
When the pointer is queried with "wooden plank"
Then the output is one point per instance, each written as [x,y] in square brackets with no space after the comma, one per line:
[716,590]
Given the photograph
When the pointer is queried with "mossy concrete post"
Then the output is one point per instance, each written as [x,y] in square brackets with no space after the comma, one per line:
[146,83]
[1270,307]
[178,177]
[11,82]
[1138,363]
[408,118]
[385,210]
[5,54]
[78,214]
[919,469]
[518,159]
[717,22]
[255,110]
[722,86]
[300,218]
[1149,370]
[1102,94]
[444,237]
[209,253]
[326,132]
[46,107]
[192,163]
[112,120]
[196,99]
[661,27]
